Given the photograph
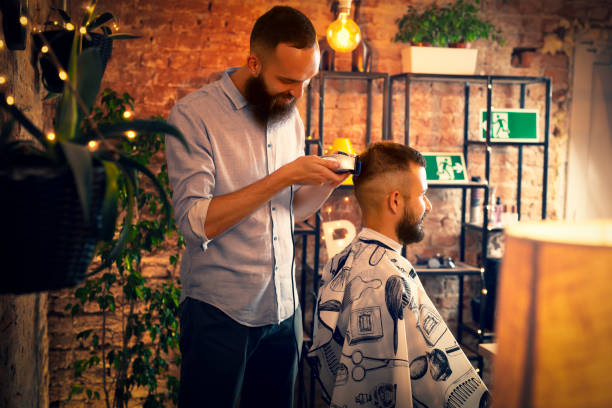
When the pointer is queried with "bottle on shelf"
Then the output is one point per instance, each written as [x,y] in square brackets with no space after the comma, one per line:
[476,203]
[497,212]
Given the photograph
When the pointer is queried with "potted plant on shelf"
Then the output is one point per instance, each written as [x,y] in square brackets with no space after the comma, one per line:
[61,188]
[439,38]
[96,33]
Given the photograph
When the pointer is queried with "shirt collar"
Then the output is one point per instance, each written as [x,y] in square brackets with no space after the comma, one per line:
[231,91]
[371,235]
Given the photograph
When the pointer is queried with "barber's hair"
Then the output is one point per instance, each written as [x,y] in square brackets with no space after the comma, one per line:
[384,157]
[282,24]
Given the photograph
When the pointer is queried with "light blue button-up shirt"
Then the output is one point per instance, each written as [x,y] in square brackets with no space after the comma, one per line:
[245,271]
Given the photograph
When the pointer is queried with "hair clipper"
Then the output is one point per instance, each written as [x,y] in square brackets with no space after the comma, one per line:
[348,163]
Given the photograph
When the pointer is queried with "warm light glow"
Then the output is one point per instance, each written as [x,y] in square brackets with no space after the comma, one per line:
[83,30]
[10,100]
[55,23]
[44,49]
[69,26]
[23,20]
[127,114]
[346,199]
[343,35]
[63,75]
[329,210]
[1,44]
[93,145]
[484,291]
[130,134]
[51,136]
[2,79]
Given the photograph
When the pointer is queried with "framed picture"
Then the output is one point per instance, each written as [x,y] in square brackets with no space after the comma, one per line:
[445,168]
[511,125]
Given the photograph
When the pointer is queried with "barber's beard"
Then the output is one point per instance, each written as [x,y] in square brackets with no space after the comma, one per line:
[410,230]
[267,108]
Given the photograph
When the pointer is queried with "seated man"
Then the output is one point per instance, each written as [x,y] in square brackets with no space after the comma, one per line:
[379,341]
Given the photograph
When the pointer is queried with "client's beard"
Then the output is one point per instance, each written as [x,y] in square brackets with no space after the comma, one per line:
[410,230]
[265,106]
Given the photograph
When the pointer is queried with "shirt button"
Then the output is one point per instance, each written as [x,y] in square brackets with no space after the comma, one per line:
[273,208]
[275,238]
[269,145]
[276,268]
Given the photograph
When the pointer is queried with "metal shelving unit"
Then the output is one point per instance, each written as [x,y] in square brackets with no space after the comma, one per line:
[489,81]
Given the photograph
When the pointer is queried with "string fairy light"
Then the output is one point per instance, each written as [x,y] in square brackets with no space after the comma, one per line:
[1,44]
[127,114]
[69,26]
[10,100]
[2,79]
[51,136]
[130,134]
[63,75]
[83,30]
[23,20]
[93,145]
[44,49]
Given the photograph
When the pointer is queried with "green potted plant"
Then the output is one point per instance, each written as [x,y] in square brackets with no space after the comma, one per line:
[58,37]
[61,188]
[436,33]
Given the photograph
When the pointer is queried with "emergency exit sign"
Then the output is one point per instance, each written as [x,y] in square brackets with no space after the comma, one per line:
[445,168]
[511,125]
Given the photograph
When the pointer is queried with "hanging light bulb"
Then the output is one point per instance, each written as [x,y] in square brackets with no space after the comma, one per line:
[343,35]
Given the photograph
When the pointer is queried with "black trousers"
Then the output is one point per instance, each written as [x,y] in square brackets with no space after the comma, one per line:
[223,359]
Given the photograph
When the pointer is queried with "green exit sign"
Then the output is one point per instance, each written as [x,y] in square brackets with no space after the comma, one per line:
[511,125]
[445,168]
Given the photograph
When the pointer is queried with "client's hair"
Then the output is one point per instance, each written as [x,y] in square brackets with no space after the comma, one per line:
[381,158]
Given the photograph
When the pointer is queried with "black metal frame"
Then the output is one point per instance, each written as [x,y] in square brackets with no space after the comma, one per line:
[489,81]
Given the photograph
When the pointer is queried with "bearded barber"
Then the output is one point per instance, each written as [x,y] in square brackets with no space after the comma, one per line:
[236,194]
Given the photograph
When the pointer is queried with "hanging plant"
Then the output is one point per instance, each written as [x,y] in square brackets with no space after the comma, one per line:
[95,31]
[63,186]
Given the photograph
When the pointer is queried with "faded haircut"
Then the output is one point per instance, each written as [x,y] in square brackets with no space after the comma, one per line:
[381,159]
[282,24]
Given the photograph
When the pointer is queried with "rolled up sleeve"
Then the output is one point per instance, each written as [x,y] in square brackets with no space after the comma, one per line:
[192,174]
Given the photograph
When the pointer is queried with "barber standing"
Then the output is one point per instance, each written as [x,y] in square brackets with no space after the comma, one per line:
[236,194]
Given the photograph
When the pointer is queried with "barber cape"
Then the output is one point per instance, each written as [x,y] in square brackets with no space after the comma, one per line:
[378,339]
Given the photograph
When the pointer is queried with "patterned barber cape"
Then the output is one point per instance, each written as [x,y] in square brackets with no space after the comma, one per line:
[379,341]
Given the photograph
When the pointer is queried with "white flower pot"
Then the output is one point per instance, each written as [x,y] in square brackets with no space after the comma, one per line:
[439,60]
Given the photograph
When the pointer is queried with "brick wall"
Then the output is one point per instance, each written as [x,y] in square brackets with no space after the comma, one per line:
[24,375]
[183,43]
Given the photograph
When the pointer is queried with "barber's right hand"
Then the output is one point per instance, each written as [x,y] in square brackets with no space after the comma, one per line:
[313,170]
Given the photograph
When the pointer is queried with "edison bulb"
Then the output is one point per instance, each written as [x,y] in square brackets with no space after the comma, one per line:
[343,35]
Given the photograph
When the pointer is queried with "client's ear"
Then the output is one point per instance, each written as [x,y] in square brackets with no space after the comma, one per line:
[394,201]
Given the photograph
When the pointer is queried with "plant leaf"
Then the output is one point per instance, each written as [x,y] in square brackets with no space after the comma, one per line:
[67,116]
[131,163]
[22,119]
[109,208]
[123,36]
[62,14]
[131,185]
[51,95]
[144,126]
[80,162]
[89,77]
[101,19]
